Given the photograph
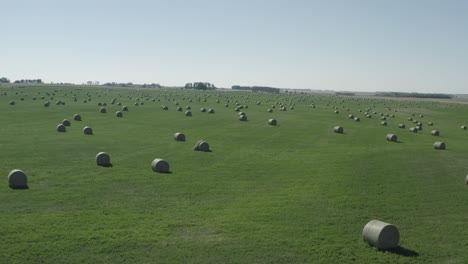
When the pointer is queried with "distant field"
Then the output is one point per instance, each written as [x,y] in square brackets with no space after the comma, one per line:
[291,193]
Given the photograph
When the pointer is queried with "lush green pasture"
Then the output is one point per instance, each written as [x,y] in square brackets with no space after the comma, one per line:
[292,193]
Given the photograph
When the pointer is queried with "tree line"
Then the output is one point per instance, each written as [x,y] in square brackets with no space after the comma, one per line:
[200,86]
[415,95]
[256,88]
[6,80]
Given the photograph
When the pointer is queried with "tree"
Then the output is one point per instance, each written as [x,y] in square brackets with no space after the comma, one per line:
[4,80]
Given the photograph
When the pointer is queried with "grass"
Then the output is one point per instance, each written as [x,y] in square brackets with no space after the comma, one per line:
[291,193]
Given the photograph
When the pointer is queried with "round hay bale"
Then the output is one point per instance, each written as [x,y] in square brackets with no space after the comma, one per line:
[61,128]
[439,145]
[188,107]
[66,122]
[179,136]
[103,159]
[160,165]
[76,117]
[337,112]
[392,137]
[103,110]
[46,104]
[179,109]
[269,110]
[17,179]
[243,118]
[12,102]
[383,123]
[381,235]
[430,123]
[357,119]
[203,110]
[463,127]
[350,116]
[118,114]
[435,133]
[272,122]
[125,108]
[466,180]
[87,130]
[188,113]
[338,130]
[413,129]
[401,125]
[201,145]
[211,111]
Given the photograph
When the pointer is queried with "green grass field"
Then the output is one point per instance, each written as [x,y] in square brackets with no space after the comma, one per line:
[291,193]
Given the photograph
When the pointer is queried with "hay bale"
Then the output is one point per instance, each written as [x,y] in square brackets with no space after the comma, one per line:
[413,129]
[419,128]
[17,179]
[439,145]
[381,235]
[46,104]
[179,109]
[243,118]
[338,130]
[357,119]
[463,127]
[76,117]
[61,128]
[201,145]
[179,136]
[125,108]
[87,130]
[103,159]
[401,125]
[160,165]
[188,113]
[12,102]
[203,110]
[392,137]
[118,114]
[430,123]
[435,133]
[466,180]
[66,122]
[103,110]
[269,110]
[272,122]
[383,123]
[211,111]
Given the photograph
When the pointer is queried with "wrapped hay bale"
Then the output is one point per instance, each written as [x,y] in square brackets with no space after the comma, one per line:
[243,118]
[61,128]
[435,133]
[272,122]
[103,110]
[383,123]
[338,130]
[12,102]
[160,165]
[103,159]
[17,179]
[269,110]
[66,122]
[87,130]
[357,119]
[439,145]
[203,110]
[188,113]
[46,104]
[76,117]
[179,136]
[179,109]
[381,235]
[201,145]
[125,108]
[392,137]
[413,129]
[211,111]
[463,127]
[118,114]
[401,125]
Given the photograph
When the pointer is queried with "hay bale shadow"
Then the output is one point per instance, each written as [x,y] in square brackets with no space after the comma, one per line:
[165,172]
[404,252]
[107,165]
[19,188]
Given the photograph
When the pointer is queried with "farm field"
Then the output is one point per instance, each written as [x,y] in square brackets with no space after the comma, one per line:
[292,193]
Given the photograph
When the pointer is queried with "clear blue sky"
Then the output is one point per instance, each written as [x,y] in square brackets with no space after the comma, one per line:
[358,45]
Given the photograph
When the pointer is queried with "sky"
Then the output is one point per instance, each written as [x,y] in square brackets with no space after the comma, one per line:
[341,45]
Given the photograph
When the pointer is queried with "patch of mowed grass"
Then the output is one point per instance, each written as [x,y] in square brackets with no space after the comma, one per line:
[291,193]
